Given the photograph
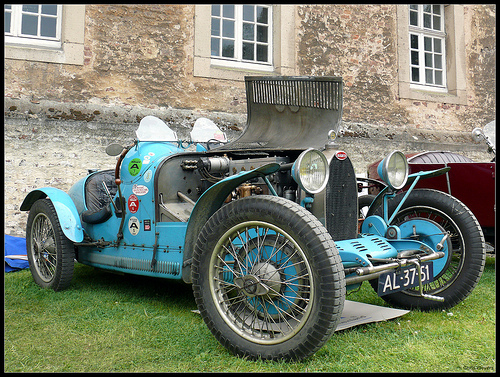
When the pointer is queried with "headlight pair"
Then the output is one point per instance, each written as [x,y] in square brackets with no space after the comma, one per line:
[311,171]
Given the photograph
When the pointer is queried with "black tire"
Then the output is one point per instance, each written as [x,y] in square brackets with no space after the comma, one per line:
[50,253]
[364,201]
[466,262]
[275,296]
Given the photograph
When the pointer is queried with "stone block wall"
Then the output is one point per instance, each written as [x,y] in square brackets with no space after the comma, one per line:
[40,151]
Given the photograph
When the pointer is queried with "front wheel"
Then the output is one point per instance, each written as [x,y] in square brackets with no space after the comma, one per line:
[50,253]
[268,279]
[465,261]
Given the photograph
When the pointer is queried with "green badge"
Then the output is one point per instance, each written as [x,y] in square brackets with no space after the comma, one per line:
[134,166]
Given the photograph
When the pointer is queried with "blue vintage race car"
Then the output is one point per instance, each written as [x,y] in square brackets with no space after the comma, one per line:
[265,228]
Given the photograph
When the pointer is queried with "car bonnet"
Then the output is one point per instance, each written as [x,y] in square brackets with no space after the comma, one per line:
[290,112]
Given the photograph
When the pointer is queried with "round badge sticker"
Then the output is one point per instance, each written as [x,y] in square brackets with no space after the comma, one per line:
[134,166]
[148,175]
[133,204]
[133,226]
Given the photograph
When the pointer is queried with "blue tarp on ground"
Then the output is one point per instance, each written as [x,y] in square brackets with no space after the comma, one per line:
[15,247]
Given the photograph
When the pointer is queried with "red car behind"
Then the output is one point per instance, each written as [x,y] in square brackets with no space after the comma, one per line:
[471,182]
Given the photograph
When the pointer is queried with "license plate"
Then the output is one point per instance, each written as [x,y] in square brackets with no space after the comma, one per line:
[404,278]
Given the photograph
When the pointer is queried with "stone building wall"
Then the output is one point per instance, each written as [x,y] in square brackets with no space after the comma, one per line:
[135,55]
[358,42]
[138,61]
[142,55]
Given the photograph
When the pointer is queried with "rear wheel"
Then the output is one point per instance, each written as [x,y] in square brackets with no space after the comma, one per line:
[50,253]
[466,259]
[364,202]
[268,279]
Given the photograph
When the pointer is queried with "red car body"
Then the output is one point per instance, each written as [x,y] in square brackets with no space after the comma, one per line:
[473,183]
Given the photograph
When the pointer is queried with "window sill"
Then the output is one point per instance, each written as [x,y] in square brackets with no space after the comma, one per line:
[406,91]
[206,67]
[241,65]
[70,53]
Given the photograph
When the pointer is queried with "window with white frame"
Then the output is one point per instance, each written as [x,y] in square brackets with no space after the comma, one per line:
[427,46]
[241,36]
[33,24]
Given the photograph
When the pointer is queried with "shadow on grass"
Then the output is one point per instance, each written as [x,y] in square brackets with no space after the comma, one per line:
[166,291]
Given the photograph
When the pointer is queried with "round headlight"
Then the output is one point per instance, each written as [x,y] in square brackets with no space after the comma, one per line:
[311,171]
[394,170]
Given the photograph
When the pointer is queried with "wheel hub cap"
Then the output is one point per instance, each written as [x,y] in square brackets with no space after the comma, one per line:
[264,279]
[251,285]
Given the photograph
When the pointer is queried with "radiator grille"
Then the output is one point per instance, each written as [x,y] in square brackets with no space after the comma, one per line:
[341,212]
[308,93]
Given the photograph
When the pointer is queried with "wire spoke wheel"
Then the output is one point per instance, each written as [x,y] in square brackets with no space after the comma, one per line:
[50,253]
[268,279]
[261,282]
[456,256]
[43,249]
[465,257]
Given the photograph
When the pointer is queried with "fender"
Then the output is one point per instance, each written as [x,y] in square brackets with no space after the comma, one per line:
[209,203]
[411,179]
[65,209]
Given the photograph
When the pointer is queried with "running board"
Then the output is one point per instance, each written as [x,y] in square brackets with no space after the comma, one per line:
[138,266]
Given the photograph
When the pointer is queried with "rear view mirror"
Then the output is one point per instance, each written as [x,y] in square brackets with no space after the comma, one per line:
[477,134]
[114,149]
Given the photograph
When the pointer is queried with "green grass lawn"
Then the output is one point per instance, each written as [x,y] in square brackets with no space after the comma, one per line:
[122,323]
